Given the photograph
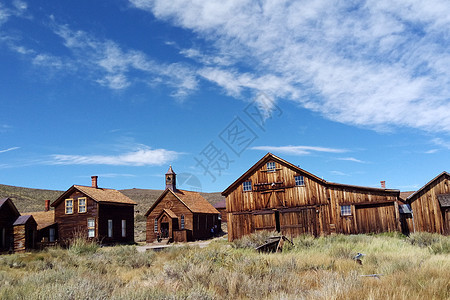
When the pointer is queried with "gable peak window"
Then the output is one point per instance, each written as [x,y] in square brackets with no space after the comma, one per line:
[299,180]
[346,210]
[69,206]
[271,166]
[247,186]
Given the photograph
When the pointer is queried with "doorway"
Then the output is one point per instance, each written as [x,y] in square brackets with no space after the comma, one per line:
[277,221]
[164,230]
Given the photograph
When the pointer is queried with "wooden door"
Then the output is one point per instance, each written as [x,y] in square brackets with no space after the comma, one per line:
[375,218]
[446,214]
[264,221]
[301,221]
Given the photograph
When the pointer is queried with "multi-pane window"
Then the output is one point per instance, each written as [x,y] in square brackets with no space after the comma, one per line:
[51,233]
[124,228]
[182,221]
[81,205]
[271,166]
[346,210]
[155,228]
[110,228]
[299,180]
[69,206]
[91,227]
[247,186]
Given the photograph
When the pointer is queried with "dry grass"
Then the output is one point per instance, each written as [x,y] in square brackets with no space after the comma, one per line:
[320,268]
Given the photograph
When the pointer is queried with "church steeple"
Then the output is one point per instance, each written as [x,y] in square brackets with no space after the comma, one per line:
[171,179]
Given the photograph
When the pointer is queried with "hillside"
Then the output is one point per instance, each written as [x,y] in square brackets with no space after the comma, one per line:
[27,199]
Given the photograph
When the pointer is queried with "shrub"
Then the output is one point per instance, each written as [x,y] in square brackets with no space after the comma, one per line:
[254,240]
[83,246]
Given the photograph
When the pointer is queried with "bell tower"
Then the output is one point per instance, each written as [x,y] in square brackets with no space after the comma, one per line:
[171,179]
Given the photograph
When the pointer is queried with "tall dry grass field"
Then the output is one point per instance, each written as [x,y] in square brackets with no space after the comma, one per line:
[323,268]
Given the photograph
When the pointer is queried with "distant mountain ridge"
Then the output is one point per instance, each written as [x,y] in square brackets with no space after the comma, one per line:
[29,199]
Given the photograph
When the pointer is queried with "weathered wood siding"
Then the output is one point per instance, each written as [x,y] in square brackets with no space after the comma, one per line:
[25,236]
[372,210]
[171,202]
[428,214]
[7,218]
[75,224]
[273,192]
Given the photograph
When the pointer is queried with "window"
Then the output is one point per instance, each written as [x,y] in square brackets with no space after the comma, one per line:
[51,233]
[91,227]
[110,228]
[124,228]
[299,181]
[155,228]
[346,210]
[81,205]
[69,206]
[182,221]
[271,166]
[247,186]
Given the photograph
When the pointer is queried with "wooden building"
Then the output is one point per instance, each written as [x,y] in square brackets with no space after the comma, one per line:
[277,195]
[179,215]
[431,206]
[24,233]
[221,206]
[106,215]
[17,232]
[47,228]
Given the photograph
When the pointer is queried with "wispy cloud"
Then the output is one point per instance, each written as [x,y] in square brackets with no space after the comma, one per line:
[359,63]
[339,173]
[441,142]
[140,157]
[351,159]
[9,149]
[298,150]
[431,151]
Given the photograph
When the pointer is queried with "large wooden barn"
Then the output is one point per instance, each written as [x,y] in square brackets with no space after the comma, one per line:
[106,215]
[179,215]
[277,195]
[431,206]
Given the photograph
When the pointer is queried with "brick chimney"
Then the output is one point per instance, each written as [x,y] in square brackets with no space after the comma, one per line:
[94,181]
[47,205]
[383,184]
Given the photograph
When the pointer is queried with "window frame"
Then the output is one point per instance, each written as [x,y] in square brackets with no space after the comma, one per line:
[182,222]
[85,205]
[299,182]
[346,210]
[110,228]
[66,206]
[91,228]
[155,226]
[247,186]
[124,228]
[272,167]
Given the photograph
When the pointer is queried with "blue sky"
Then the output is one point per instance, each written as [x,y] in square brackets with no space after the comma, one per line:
[352,91]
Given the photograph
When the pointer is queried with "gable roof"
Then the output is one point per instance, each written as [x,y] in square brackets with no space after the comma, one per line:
[271,157]
[43,218]
[427,184]
[169,212]
[268,157]
[192,200]
[221,204]
[444,200]
[8,201]
[405,195]
[22,220]
[97,194]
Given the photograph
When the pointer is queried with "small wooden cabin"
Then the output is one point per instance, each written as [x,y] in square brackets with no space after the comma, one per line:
[278,196]
[106,215]
[47,228]
[180,216]
[431,206]
[24,233]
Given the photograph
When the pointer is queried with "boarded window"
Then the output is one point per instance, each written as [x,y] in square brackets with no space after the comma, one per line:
[247,186]
[81,205]
[91,227]
[271,166]
[110,228]
[346,210]
[124,228]
[69,206]
[182,221]
[299,180]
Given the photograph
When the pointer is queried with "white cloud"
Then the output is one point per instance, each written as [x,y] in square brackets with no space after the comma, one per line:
[140,157]
[441,142]
[339,173]
[375,64]
[351,159]
[9,149]
[298,150]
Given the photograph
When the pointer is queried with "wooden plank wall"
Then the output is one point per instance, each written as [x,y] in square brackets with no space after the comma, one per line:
[428,215]
[19,238]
